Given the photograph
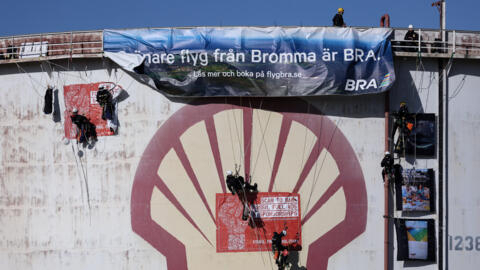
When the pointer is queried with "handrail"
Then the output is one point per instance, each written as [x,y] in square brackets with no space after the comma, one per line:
[459,44]
[55,45]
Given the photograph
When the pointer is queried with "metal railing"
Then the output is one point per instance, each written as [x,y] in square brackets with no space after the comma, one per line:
[51,46]
[459,44]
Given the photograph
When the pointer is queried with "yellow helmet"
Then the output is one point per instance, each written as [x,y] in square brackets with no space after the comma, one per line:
[340,10]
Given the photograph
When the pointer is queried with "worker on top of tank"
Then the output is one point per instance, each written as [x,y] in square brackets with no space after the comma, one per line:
[412,38]
[338,18]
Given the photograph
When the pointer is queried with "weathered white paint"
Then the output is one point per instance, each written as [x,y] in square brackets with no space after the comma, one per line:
[464,160]
[45,218]
[46,221]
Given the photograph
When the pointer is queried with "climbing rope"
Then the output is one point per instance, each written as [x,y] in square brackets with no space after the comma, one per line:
[32,80]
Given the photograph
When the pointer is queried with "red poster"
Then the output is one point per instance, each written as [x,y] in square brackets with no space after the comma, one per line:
[83,97]
[269,212]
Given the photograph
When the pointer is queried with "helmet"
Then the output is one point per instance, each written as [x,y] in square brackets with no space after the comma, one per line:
[387,153]
[75,110]
[229,172]
[340,10]
[284,232]
[410,26]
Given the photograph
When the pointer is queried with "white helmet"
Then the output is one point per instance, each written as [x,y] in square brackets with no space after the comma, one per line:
[284,232]
[387,153]
[75,110]
[229,172]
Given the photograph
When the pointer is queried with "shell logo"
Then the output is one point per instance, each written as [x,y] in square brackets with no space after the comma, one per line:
[285,144]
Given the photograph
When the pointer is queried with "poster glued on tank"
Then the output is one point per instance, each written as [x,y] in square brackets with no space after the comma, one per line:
[416,192]
[421,140]
[83,98]
[269,212]
[415,239]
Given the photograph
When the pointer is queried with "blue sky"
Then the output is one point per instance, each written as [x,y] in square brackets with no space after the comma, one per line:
[27,17]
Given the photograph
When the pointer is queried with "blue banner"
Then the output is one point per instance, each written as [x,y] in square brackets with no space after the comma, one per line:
[253,61]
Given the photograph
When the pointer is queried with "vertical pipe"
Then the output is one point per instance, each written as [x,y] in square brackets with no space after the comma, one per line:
[442,158]
[41,45]
[443,19]
[386,216]
[442,153]
[445,172]
[419,39]
[454,41]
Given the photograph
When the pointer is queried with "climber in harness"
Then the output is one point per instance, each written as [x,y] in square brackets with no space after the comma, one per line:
[387,165]
[104,98]
[237,185]
[233,183]
[86,132]
[280,251]
[403,122]
[107,98]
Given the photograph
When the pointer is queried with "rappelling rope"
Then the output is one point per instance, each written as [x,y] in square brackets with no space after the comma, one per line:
[84,176]
[262,141]
[32,80]
[232,144]
[248,177]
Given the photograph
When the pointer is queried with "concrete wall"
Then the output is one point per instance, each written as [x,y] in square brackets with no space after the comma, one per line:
[50,219]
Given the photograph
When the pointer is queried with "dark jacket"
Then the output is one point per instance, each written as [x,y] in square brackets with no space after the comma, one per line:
[79,120]
[338,20]
[86,128]
[387,161]
[234,184]
[411,35]
[105,99]
[277,241]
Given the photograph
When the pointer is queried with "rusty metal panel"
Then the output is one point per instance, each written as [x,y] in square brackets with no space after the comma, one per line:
[60,44]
